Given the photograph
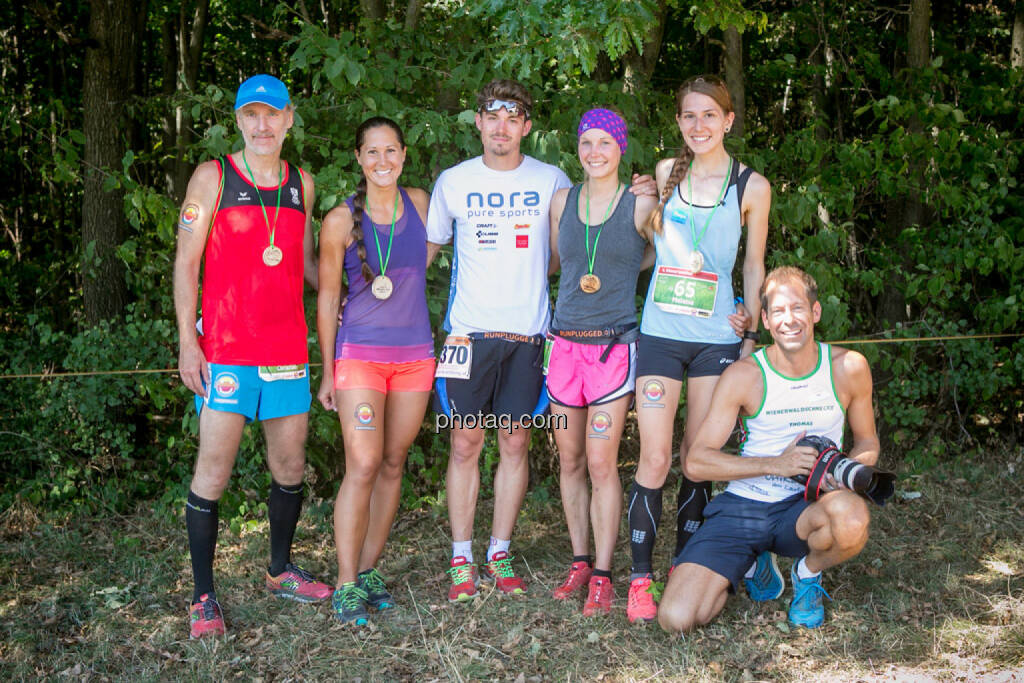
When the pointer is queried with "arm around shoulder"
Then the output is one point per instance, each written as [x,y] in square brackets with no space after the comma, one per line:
[855,388]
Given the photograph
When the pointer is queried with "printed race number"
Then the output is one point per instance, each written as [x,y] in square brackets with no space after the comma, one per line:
[456,358]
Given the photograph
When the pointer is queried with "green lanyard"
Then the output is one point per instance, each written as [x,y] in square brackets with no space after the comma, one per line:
[721,195]
[383,261]
[259,195]
[591,257]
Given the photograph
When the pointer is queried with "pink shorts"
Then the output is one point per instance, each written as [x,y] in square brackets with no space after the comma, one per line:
[577,378]
[416,375]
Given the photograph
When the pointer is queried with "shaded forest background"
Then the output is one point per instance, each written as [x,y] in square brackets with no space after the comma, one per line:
[891,133]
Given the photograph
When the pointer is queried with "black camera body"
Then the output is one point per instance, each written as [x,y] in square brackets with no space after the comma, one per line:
[874,484]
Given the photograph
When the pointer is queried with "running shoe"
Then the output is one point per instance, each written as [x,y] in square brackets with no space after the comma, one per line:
[295,583]
[767,582]
[640,603]
[499,570]
[349,604]
[579,574]
[205,617]
[600,595]
[377,594]
[807,608]
[464,580]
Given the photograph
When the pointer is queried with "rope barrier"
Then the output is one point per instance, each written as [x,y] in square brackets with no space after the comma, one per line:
[844,342]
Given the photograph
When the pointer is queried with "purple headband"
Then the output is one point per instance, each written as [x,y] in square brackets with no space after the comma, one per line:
[609,122]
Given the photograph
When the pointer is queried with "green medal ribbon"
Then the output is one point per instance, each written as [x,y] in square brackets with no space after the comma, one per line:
[384,260]
[259,195]
[721,195]
[592,257]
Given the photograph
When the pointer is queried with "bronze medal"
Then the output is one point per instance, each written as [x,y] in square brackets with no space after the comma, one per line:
[696,261]
[590,283]
[272,255]
[382,287]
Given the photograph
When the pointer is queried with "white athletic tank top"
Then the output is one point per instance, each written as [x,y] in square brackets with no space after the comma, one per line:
[790,405]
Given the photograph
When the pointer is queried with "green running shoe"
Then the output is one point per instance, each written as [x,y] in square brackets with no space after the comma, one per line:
[349,603]
[377,594]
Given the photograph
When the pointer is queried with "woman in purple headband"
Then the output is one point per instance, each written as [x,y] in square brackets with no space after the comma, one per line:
[591,351]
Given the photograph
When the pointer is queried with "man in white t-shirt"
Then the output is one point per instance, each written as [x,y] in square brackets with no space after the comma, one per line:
[496,205]
[795,387]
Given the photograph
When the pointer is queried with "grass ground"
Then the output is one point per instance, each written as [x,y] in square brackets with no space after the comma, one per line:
[937,594]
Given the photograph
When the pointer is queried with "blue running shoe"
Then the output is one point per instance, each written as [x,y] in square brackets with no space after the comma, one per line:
[349,604]
[767,582]
[377,594]
[807,609]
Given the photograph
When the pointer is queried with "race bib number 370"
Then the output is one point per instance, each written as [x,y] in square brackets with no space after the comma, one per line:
[456,358]
[677,290]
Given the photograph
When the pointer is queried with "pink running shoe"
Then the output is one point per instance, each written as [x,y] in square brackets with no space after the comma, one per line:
[464,580]
[205,618]
[600,596]
[295,583]
[499,570]
[579,574]
[640,603]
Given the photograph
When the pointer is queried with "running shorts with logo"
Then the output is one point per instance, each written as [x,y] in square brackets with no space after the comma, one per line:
[505,378]
[672,359]
[257,392]
[581,374]
[385,377]
[737,529]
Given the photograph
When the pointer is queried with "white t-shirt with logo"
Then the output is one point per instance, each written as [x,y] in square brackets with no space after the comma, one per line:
[502,236]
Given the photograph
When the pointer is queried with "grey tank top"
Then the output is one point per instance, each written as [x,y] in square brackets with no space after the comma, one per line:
[617,264]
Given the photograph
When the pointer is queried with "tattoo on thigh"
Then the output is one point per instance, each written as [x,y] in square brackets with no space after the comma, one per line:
[364,416]
[654,393]
[599,424]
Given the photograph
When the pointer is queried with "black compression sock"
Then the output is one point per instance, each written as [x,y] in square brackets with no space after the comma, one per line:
[283,508]
[583,558]
[606,573]
[201,522]
[644,506]
[693,497]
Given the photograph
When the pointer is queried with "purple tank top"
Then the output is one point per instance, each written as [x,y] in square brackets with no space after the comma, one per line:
[396,329]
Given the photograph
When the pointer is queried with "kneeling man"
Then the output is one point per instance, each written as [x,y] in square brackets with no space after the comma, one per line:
[793,388]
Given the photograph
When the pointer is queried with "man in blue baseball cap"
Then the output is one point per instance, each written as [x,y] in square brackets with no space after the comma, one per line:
[247,220]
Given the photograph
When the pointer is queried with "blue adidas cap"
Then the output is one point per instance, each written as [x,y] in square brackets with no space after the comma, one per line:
[265,89]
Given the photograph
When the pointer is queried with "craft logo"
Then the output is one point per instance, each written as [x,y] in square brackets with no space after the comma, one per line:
[522,226]
[601,422]
[364,413]
[295,195]
[522,241]
[190,214]
[226,384]
[654,390]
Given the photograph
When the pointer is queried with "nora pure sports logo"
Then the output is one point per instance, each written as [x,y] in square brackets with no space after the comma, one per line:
[364,413]
[654,390]
[226,384]
[601,422]
[499,200]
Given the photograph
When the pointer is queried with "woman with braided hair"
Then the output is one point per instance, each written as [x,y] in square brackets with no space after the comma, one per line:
[381,354]
[691,325]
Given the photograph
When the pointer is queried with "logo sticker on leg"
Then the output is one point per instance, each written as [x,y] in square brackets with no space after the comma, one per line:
[653,391]
[364,415]
[600,423]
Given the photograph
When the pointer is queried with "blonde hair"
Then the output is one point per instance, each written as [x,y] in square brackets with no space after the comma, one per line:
[714,87]
[789,274]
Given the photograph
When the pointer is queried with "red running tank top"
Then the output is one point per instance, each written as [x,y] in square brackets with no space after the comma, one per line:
[252,312]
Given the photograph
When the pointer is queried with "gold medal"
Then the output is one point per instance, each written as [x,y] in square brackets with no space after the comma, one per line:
[382,287]
[272,255]
[696,261]
[590,283]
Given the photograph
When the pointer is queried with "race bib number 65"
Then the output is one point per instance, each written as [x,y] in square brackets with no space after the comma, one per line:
[456,358]
[677,290]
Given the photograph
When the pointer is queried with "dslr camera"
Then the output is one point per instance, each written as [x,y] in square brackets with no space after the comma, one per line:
[874,484]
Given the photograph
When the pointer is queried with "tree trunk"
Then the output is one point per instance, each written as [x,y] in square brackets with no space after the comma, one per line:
[412,15]
[372,9]
[106,84]
[1017,41]
[734,77]
[640,67]
[189,53]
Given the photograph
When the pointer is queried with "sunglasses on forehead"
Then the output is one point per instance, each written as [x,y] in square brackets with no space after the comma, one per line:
[511,106]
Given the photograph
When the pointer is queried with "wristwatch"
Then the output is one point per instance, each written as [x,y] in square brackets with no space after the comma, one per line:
[752,336]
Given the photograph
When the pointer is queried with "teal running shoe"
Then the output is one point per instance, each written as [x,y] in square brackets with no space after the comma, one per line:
[349,603]
[377,594]
[807,609]
[767,582]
